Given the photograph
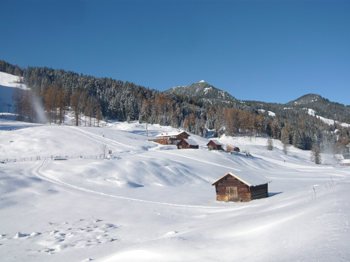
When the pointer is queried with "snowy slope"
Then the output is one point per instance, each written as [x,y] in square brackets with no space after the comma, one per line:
[8,83]
[312,112]
[155,203]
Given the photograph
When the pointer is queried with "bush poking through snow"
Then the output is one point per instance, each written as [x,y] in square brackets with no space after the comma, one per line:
[269,144]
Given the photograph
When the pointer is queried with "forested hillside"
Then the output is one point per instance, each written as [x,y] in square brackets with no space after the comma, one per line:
[60,90]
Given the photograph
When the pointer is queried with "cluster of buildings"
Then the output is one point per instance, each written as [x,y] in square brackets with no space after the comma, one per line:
[182,141]
[230,187]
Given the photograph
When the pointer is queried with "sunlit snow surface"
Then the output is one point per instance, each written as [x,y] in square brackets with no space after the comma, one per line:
[148,202]
[155,203]
[8,83]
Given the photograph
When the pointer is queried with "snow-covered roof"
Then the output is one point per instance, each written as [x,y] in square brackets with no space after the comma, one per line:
[173,133]
[339,156]
[250,179]
[191,142]
[216,142]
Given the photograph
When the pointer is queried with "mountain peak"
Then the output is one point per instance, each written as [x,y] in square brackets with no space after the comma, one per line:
[307,99]
[202,90]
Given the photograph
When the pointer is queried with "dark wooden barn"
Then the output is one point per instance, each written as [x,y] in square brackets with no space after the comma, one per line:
[186,144]
[241,188]
[233,149]
[214,145]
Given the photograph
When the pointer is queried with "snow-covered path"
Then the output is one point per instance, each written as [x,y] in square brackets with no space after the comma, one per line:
[97,138]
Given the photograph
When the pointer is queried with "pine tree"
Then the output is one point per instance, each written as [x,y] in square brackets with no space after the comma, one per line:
[98,111]
[296,139]
[285,139]
[61,105]
[74,103]
[186,123]
[51,103]
[276,129]
[210,118]
[316,154]
[259,124]
[18,97]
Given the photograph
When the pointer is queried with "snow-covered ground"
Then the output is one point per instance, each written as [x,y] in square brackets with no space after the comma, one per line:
[8,83]
[328,121]
[149,202]
[155,203]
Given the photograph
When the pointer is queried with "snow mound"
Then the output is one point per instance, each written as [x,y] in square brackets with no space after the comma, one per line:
[134,255]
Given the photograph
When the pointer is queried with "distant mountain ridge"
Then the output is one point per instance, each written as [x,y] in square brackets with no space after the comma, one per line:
[322,106]
[208,93]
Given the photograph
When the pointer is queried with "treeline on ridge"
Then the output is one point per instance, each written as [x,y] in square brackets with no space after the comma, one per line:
[100,98]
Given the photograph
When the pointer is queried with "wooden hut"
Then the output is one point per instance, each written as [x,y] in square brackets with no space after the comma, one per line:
[170,138]
[233,149]
[241,188]
[214,145]
[186,144]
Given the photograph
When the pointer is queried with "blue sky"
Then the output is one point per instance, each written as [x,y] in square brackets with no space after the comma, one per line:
[272,51]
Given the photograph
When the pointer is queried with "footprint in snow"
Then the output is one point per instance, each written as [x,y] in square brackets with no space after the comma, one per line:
[34,234]
[49,250]
[108,225]
[20,235]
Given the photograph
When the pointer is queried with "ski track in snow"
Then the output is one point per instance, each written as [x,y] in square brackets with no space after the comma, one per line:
[89,134]
[57,182]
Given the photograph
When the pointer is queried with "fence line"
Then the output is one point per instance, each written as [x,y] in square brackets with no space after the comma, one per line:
[25,159]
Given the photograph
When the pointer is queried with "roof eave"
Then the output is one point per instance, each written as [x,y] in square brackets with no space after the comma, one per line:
[229,173]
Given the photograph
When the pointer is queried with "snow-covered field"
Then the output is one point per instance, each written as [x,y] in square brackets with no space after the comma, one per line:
[8,83]
[155,203]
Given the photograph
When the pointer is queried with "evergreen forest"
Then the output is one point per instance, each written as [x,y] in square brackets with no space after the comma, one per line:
[61,91]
